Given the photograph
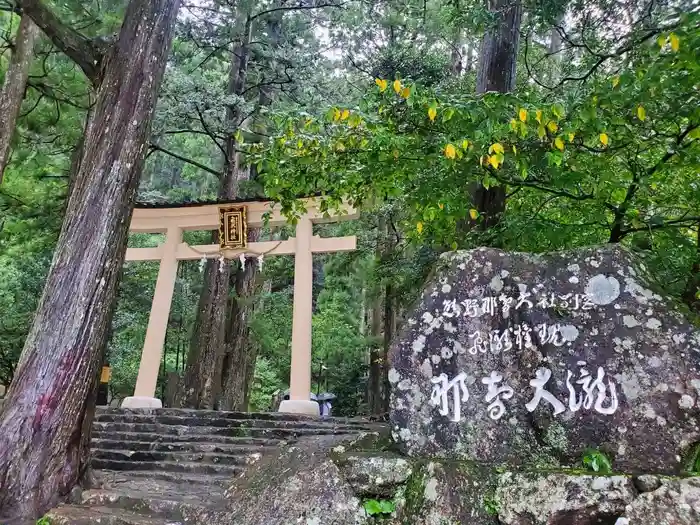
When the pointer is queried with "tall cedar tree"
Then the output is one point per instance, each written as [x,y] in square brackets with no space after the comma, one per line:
[47,415]
[499,54]
[15,83]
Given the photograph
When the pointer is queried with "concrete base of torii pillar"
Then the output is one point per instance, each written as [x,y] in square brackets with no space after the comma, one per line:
[142,402]
[293,406]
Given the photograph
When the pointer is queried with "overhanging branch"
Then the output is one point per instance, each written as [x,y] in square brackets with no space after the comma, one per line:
[156,147]
[76,46]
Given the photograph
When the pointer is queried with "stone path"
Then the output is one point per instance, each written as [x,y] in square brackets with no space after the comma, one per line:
[171,466]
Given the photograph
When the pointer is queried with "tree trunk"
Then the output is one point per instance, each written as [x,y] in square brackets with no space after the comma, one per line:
[456,53]
[499,53]
[241,354]
[374,386]
[46,419]
[205,360]
[389,329]
[200,384]
[239,359]
[14,85]
[691,294]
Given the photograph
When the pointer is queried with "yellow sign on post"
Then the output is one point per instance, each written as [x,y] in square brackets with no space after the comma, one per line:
[233,227]
[106,374]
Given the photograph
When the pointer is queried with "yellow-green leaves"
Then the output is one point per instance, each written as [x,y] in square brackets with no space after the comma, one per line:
[559,144]
[538,116]
[615,81]
[552,126]
[397,86]
[345,114]
[450,151]
[465,144]
[522,114]
[641,113]
[419,227]
[604,139]
[675,42]
[405,92]
[496,157]
[432,113]
[672,39]
[558,110]
[571,137]
[474,214]
[496,148]
[513,125]
[541,132]
[383,84]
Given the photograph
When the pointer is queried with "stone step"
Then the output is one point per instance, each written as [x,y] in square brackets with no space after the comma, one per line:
[90,515]
[196,420]
[101,428]
[185,446]
[159,505]
[179,457]
[166,466]
[150,437]
[179,486]
[108,477]
[103,412]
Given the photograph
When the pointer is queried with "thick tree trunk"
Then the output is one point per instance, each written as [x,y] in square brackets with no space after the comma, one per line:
[204,372]
[691,294]
[389,330]
[47,414]
[239,360]
[241,353]
[201,384]
[374,386]
[14,85]
[499,53]
[456,53]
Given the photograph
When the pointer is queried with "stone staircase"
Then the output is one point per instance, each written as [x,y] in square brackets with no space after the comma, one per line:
[171,466]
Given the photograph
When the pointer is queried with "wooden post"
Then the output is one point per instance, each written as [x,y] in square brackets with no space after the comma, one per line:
[144,394]
[300,380]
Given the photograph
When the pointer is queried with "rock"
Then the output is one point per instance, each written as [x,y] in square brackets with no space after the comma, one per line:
[444,492]
[522,359]
[300,484]
[376,476]
[561,499]
[647,483]
[676,502]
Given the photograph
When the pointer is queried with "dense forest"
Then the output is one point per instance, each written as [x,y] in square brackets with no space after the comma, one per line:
[519,124]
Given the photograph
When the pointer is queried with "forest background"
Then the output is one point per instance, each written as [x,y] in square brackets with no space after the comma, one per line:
[591,138]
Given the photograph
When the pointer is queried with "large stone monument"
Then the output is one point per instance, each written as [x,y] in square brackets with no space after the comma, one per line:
[513,358]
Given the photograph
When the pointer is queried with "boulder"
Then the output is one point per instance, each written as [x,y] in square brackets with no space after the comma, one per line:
[561,499]
[530,360]
[676,502]
[301,484]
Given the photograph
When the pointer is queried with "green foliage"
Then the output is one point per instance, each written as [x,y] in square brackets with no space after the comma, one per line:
[596,461]
[491,505]
[43,521]
[379,508]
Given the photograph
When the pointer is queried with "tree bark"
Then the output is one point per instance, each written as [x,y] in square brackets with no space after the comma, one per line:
[499,53]
[205,360]
[14,86]
[374,386]
[47,415]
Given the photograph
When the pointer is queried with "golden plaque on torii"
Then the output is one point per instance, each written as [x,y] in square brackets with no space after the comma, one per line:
[233,227]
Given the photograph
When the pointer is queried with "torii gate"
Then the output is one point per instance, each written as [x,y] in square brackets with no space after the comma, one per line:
[232,224]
